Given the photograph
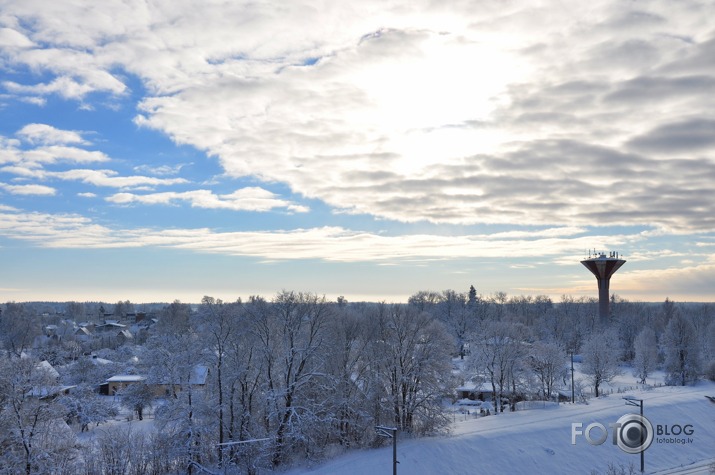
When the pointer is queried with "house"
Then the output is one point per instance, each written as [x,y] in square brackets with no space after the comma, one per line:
[124,336]
[110,325]
[197,380]
[121,381]
[45,393]
[474,391]
[48,369]
[83,334]
[49,387]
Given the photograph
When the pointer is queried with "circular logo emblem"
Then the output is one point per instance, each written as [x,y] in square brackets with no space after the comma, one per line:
[635,433]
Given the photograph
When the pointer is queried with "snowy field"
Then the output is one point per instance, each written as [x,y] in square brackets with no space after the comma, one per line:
[538,441]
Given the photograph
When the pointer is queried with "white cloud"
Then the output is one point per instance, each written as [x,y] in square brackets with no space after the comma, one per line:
[245,199]
[64,86]
[324,243]
[14,39]
[48,135]
[31,163]
[55,153]
[162,170]
[37,190]
[112,179]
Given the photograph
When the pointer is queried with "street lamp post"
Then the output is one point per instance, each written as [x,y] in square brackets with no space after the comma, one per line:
[632,401]
[390,433]
[573,397]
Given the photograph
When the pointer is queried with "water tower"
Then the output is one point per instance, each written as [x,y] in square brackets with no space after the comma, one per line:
[603,267]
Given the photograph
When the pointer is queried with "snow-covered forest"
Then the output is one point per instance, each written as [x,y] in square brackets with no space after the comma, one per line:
[263,384]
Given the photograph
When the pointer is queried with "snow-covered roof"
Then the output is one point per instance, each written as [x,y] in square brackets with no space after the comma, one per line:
[111,325]
[45,365]
[199,375]
[126,378]
[48,391]
[474,387]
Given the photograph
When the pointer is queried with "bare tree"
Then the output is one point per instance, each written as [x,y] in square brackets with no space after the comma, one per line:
[548,362]
[30,420]
[424,300]
[18,328]
[174,318]
[600,359]
[293,346]
[498,349]
[137,397]
[414,367]
[75,310]
[454,312]
[121,308]
[85,407]
[682,358]
[646,354]
[349,370]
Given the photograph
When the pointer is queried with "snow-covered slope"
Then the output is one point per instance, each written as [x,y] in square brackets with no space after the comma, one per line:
[538,441]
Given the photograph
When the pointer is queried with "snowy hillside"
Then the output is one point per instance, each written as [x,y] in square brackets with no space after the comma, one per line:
[538,441]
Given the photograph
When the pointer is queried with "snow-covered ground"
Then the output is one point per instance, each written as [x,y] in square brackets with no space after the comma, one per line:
[538,441]
[535,441]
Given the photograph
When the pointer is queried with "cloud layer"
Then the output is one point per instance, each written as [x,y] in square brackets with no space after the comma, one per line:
[580,115]
[448,114]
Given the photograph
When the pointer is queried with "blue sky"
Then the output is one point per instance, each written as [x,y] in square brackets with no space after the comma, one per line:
[154,151]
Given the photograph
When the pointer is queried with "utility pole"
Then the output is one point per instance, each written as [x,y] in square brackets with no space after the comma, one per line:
[634,401]
[390,433]
[573,398]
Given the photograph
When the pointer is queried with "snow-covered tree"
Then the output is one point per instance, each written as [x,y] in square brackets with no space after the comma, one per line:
[453,312]
[412,358]
[349,376]
[174,318]
[121,308]
[85,407]
[31,422]
[680,345]
[75,311]
[600,359]
[291,332]
[137,397]
[497,356]
[18,328]
[646,354]
[424,300]
[548,362]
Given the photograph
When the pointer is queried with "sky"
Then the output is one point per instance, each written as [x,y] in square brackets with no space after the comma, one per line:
[158,150]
